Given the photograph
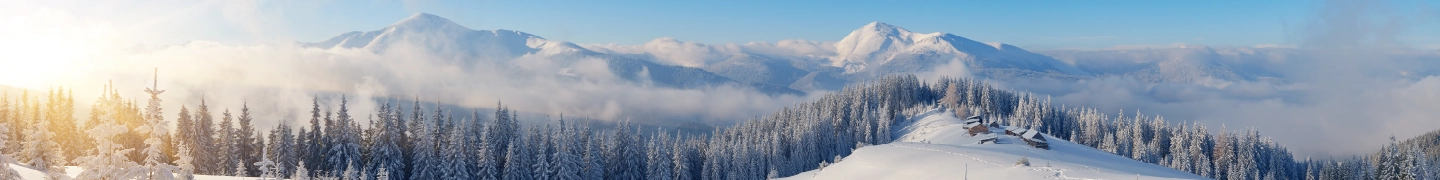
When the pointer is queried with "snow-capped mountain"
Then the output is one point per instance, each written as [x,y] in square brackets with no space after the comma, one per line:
[883,48]
[433,35]
[437,35]
[936,145]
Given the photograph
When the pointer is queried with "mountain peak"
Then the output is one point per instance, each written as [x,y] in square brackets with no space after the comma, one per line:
[425,21]
[884,29]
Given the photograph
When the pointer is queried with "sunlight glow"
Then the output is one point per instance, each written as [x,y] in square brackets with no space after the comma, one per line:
[43,46]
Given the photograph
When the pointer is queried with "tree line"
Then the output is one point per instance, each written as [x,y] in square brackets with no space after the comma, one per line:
[122,140]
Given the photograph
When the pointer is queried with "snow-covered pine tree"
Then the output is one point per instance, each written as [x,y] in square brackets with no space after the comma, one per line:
[567,162]
[302,149]
[381,174]
[267,167]
[282,148]
[594,162]
[457,155]
[952,100]
[487,164]
[350,172]
[300,172]
[1390,165]
[225,146]
[681,160]
[72,142]
[497,137]
[660,166]
[1179,150]
[108,160]
[240,170]
[385,154]
[426,161]
[628,161]
[345,139]
[40,151]
[6,172]
[185,163]
[203,146]
[1419,164]
[317,150]
[247,150]
[517,156]
[1108,144]
[540,156]
[156,129]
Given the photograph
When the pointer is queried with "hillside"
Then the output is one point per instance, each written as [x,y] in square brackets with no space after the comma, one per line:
[934,145]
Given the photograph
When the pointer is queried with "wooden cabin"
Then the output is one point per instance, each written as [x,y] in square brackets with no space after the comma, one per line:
[1034,138]
[975,127]
[988,138]
[1014,131]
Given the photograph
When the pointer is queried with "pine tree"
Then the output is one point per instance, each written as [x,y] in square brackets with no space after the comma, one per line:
[203,145]
[517,156]
[385,154]
[381,174]
[108,160]
[282,148]
[350,173]
[629,159]
[487,167]
[317,142]
[345,139]
[187,169]
[1419,164]
[659,159]
[426,159]
[247,142]
[567,163]
[458,155]
[6,172]
[226,145]
[301,173]
[72,142]
[156,129]
[41,152]
[240,170]
[267,168]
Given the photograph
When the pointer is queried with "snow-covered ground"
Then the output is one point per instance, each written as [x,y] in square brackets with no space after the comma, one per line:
[934,145]
[26,173]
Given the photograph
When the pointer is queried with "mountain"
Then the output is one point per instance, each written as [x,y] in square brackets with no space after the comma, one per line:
[437,35]
[428,34]
[880,48]
[935,145]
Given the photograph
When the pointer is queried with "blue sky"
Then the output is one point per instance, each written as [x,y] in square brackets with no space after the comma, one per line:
[1033,24]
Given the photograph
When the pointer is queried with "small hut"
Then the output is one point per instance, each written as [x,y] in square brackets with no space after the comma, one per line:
[1034,138]
[1014,131]
[975,127]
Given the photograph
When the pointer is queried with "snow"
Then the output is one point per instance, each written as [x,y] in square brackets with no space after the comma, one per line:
[934,145]
[442,36]
[28,173]
[877,44]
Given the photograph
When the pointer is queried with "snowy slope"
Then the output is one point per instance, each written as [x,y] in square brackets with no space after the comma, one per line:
[883,48]
[935,146]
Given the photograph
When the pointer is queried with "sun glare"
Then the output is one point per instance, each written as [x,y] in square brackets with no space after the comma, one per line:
[45,47]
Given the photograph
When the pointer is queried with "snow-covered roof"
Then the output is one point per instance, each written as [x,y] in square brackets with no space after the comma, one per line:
[1032,135]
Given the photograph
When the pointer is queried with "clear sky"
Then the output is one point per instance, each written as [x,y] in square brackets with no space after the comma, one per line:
[1034,24]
